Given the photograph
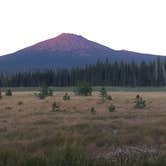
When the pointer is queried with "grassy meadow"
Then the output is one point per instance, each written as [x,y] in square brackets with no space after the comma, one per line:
[31,134]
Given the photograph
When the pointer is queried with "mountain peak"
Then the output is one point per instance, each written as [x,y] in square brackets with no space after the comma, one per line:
[65,42]
[64,51]
[68,35]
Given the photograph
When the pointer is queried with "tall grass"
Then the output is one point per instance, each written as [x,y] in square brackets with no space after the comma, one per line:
[74,155]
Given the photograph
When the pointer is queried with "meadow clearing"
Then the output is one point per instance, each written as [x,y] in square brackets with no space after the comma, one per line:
[32,134]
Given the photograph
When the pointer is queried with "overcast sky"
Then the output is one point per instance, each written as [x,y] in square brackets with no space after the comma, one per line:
[136,25]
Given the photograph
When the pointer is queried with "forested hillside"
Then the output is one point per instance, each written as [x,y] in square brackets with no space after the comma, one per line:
[102,73]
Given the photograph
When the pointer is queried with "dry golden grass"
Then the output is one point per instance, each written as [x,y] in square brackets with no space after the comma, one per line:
[28,124]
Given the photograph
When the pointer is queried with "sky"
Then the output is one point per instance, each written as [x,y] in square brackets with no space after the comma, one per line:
[135,25]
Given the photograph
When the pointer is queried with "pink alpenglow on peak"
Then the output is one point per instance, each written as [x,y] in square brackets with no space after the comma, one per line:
[66,42]
[66,51]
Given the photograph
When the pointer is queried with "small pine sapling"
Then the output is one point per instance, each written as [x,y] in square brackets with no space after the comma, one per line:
[103,93]
[140,103]
[66,96]
[83,89]
[8,92]
[55,107]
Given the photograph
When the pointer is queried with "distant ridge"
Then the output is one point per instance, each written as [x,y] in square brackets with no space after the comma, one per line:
[65,51]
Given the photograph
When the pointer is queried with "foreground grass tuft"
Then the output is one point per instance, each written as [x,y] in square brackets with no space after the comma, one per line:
[74,155]
[140,102]
[111,108]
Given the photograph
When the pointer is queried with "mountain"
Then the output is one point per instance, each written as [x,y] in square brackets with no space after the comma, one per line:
[64,51]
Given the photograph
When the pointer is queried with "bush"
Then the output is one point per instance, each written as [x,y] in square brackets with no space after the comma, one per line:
[109,97]
[140,102]
[8,92]
[66,96]
[84,89]
[44,92]
[111,108]
[55,107]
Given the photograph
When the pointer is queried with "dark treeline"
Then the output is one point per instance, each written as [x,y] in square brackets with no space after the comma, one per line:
[101,73]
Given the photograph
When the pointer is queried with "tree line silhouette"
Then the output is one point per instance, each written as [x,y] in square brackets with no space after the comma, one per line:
[102,73]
